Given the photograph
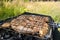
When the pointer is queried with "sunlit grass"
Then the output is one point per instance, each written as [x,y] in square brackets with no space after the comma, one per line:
[17,7]
[10,9]
[46,8]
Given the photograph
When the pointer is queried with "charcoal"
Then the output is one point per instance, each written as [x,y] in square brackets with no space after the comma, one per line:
[9,34]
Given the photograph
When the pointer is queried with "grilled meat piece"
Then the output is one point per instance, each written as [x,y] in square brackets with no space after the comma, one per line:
[6,25]
[31,24]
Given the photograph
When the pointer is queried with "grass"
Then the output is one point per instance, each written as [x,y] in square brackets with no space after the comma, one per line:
[46,8]
[10,9]
[17,7]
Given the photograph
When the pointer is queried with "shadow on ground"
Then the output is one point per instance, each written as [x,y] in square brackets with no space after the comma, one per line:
[56,35]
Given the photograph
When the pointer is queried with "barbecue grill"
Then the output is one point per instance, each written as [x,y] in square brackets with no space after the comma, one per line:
[9,34]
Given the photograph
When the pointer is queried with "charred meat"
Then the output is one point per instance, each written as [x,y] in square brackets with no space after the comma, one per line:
[31,24]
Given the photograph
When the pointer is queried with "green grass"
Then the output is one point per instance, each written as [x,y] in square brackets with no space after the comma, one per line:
[10,9]
[15,8]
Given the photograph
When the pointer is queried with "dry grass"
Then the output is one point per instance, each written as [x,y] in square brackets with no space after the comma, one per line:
[46,8]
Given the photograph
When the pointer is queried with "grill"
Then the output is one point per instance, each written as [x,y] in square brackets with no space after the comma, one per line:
[8,33]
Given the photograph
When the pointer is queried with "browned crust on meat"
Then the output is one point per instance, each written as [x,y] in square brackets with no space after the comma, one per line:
[31,24]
